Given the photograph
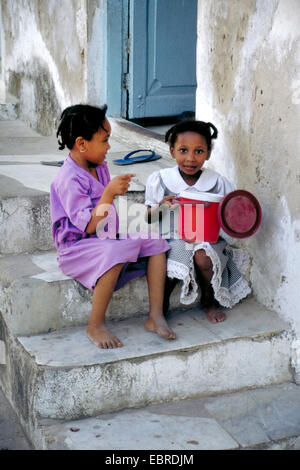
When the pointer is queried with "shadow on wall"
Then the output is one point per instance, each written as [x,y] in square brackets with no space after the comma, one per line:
[36,93]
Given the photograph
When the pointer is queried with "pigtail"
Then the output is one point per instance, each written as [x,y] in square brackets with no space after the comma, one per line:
[169,133]
[206,129]
[61,144]
[214,134]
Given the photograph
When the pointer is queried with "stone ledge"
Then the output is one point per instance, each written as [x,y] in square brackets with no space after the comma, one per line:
[9,107]
[140,137]
[258,419]
[35,296]
[71,378]
[62,375]
[25,221]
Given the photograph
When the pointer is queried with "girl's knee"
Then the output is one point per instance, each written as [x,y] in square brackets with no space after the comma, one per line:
[202,260]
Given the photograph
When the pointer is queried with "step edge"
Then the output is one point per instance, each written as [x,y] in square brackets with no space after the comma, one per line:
[257,337]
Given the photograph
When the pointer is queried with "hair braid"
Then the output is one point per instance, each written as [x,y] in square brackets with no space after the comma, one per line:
[200,127]
[81,120]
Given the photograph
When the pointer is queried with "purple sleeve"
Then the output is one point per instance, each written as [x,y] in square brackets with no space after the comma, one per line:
[103,174]
[74,195]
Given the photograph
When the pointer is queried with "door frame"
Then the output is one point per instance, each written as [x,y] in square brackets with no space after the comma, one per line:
[151,93]
[117,57]
[116,68]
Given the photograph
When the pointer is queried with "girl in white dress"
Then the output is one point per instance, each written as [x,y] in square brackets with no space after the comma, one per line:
[214,271]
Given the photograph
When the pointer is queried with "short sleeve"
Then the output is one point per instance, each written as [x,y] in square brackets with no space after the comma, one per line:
[154,192]
[225,186]
[74,195]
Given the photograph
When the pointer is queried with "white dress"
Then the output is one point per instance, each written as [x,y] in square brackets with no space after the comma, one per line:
[229,262]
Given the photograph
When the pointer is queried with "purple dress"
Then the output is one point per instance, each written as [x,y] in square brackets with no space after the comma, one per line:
[73,195]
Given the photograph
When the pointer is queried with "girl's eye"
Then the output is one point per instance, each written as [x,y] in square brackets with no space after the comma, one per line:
[182,150]
[198,151]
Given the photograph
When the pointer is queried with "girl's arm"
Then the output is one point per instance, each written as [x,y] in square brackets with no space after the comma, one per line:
[117,186]
[153,213]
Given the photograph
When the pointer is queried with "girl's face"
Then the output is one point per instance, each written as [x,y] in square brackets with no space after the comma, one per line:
[190,152]
[97,147]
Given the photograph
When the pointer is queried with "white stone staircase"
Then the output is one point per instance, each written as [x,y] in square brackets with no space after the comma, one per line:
[54,374]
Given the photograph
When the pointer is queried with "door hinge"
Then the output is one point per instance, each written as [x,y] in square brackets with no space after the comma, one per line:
[126,77]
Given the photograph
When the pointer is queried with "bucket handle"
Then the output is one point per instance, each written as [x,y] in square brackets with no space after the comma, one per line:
[206,204]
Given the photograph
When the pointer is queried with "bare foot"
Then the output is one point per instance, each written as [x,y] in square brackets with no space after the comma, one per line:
[102,338]
[159,325]
[214,315]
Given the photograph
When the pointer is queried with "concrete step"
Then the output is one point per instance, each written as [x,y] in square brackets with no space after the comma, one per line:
[62,375]
[25,224]
[25,221]
[265,418]
[9,105]
[141,137]
[35,296]
[12,436]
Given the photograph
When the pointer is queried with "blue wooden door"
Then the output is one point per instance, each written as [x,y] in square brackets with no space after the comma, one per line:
[162,57]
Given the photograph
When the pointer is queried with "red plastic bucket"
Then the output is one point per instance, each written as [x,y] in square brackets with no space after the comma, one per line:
[198,217]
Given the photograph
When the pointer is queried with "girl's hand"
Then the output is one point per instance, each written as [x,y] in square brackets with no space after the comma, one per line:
[152,213]
[169,201]
[119,184]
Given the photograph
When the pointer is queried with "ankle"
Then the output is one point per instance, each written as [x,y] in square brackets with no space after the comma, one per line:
[156,313]
[96,325]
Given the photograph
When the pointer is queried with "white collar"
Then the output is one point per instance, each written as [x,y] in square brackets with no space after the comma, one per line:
[175,183]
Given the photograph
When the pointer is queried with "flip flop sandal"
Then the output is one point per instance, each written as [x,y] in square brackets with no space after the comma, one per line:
[141,159]
[53,163]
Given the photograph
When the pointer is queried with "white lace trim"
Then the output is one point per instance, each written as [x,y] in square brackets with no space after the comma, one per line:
[189,288]
[226,297]
[240,257]
[229,297]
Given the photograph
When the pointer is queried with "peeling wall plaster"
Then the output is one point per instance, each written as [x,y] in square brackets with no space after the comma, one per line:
[45,57]
[248,64]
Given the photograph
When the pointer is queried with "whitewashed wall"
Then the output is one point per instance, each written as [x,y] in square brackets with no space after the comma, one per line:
[45,56]
[248,67]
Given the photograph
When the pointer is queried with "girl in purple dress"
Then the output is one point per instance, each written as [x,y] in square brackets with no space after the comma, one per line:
[81,197]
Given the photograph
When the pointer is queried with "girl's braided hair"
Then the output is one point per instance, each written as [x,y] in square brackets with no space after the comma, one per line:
[80,120]
[205,129]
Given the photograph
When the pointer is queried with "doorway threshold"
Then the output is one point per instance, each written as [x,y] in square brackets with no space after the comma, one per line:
[148,133]
[140,137]
[158,125]
[160,129]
